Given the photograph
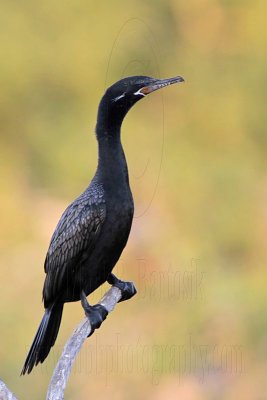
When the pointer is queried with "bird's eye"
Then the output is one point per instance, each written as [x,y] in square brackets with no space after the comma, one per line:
[119,97]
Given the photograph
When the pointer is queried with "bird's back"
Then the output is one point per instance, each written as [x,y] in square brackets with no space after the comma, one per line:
[73,238]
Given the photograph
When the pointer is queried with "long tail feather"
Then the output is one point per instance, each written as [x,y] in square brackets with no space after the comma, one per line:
[45,337]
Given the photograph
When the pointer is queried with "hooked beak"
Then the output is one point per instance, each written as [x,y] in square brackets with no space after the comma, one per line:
[160,83]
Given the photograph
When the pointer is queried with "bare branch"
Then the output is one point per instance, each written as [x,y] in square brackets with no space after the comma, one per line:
[5,393]
[73,346]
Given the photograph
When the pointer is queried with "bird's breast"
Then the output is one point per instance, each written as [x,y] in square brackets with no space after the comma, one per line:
[120,213]
[119,216]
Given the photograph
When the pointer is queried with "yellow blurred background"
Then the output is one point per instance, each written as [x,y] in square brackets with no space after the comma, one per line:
[197,161]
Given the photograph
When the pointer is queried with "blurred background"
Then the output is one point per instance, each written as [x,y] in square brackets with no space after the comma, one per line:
[197,161]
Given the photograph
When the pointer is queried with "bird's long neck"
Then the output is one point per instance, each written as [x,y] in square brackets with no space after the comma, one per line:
[112,167]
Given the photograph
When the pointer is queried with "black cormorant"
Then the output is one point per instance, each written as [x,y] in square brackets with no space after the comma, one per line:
[94,229]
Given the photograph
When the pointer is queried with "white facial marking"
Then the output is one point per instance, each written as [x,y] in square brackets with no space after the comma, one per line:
[139,93]
[118,97]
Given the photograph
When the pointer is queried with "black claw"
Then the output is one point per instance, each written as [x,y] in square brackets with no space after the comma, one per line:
[128,289]
[96,314]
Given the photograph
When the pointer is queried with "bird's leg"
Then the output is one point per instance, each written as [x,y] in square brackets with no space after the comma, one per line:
[96,314]
[128,289]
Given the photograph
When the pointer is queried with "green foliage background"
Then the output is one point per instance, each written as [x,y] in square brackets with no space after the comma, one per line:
[197,162]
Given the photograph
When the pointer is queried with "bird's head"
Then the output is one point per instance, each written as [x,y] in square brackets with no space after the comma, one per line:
[122,95]
[126,92]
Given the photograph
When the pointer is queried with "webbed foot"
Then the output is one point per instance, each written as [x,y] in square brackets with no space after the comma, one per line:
[96,314]
[127,288]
